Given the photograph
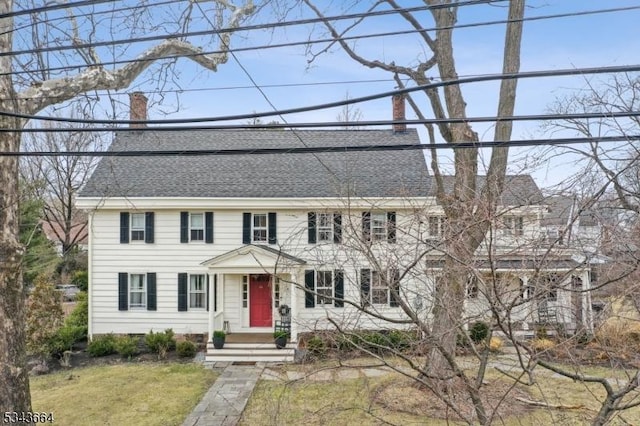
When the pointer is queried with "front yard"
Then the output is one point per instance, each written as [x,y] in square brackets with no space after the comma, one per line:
[122,394]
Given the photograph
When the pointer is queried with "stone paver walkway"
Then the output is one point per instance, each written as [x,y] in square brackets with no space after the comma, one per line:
[223,404]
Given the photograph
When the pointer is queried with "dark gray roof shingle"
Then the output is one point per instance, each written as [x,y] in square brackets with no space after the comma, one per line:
[519,190]
[362,174]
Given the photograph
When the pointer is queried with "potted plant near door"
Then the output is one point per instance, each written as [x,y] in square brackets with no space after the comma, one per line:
[280,339]
[218,339]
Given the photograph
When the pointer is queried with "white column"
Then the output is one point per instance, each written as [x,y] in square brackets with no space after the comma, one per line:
[587,311]
[295,277]
[212,313]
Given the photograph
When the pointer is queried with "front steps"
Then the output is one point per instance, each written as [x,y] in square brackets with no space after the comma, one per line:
[250,352]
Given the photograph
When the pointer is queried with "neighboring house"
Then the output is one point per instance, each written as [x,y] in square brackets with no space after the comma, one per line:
[204,242]
[54,233]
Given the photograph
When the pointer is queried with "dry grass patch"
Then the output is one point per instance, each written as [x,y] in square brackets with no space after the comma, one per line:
[140,394]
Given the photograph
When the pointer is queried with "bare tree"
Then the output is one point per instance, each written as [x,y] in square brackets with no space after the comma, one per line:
[56,181]
[468,208]
[54,47]
[349,114]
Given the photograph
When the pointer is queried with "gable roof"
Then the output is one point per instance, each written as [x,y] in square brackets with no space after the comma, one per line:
[361,174]
[562,210]
[519,190]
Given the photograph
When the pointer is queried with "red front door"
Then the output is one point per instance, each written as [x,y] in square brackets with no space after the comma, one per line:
[260,301]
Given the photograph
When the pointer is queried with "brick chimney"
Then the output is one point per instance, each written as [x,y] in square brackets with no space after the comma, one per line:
[398,113]
[137,109]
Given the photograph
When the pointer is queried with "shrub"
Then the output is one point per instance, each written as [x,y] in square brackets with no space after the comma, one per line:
[65,338]
[539,345]
[541,332]
[186,349]
[495,344]
[399,339]
[102,345]
[479,331]
[44,316]
[127,346]
[219,333]
[81,279]
[160,343]
[316,346]
[278,334]
[79,317]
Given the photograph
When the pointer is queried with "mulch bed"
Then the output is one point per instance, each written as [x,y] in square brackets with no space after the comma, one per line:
[499,399]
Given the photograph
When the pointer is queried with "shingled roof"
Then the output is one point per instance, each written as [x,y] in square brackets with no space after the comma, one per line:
[519,190]
[361,174]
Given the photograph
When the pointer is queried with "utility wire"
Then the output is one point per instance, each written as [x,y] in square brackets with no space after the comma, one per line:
[380,95]
[239,29]
[326,149]
[328,40]
[341,124]
[53,7]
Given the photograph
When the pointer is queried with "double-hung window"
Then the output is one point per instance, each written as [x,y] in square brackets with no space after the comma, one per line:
[196,226]
[379,226]
[436,226]
[324,227]
[137,226]
[259,228]
[197,292]
[324,288]
[513,225]
[137,291]
[379,287]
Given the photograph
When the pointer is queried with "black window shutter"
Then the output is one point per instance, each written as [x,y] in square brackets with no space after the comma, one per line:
[311,226]
[182,291]
[123,291]
[391,227]
[148,227]
[339,288]
[272,228]
[215,293]
[184,227]
[366,226]
[207,294]
[309,284]
[395,288]
[365,286]
[151,291]
[246,228]
[124,227]
[337,228]
[208,227]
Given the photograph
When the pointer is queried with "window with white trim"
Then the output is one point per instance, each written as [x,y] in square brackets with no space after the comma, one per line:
[379,226]
[436,226]
[379,289]
[197,292]
[196,226]
[513,225]
[137,291]
[259,227]
[325,227]
[324,287]
[137,226]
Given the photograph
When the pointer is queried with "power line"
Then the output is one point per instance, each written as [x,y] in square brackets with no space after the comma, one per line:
[56,6]
[239,29]
[327,149]
[380,95]
[316,41]
[339,124]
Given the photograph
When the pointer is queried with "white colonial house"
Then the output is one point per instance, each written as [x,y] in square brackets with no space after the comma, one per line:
[203,242]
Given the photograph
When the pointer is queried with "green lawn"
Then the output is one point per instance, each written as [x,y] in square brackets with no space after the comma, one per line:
[125,394]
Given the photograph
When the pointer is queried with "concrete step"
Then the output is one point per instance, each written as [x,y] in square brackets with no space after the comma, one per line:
[266,352]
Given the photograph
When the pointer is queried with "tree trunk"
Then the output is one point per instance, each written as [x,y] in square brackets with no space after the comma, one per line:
[14,377]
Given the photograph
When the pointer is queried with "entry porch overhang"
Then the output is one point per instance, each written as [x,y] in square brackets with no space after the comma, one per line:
[248,260]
